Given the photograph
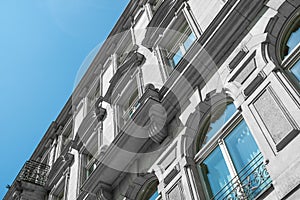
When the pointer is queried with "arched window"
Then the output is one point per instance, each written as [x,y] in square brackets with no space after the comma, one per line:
[149,192]
[290,48]
[230,163]
[215,122]
[143,188]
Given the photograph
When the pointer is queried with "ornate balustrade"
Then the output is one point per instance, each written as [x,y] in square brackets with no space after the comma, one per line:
[34,172]
[250,182]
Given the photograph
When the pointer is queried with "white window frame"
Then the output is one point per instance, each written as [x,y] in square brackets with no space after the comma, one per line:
[163,57]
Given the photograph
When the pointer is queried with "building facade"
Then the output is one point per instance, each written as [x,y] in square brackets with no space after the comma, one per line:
[185,100]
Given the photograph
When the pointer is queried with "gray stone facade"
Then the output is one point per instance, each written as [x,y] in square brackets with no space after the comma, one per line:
[140,123]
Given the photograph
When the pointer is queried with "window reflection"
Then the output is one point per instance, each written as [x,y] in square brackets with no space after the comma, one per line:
[216,121]
[296,70]
[150,192]
[215,172]
[241,146]
[291,43]
[293,39]
[233,164]
[182,49]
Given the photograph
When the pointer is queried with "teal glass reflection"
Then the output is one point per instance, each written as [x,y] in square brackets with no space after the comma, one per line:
[176,58]
[296,70]
[215,172]
[219,120]
[293,40]
[241,146]
[154,196]
[189,41]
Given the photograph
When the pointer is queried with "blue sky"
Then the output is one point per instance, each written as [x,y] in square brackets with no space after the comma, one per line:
[42,45]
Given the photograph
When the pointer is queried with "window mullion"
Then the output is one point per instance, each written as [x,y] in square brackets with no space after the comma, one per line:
[235,181]
[227,158]
[182,49]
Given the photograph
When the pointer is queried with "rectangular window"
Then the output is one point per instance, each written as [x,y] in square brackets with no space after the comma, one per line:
[88,165]
[124,47]
[182,48]
[177,40]
[128,102]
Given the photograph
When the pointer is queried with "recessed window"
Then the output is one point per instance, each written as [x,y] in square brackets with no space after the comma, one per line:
[295,69]
[124,48]
[88,166]
[150,192]
[292,39]
[232,166]
[216,121]
[128,102]
[131,106]
[290,50]
[176,41]
[182,47]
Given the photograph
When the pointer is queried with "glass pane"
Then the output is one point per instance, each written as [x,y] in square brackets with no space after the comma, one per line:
[215,172]
[176,58]
[294,40]
[154,196]
[217,121]
[241,146]
[248,161]
[296,70]
[189,41]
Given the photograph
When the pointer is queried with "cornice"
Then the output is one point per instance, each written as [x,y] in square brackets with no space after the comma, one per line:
[160,20]
[122,25]
[134,60]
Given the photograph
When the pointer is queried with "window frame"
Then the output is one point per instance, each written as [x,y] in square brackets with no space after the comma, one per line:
[289,61]
[224,131]
[93,94]
[219,141]
[146,189]
[124,94]
[85,165]
[125,45]
[164,55]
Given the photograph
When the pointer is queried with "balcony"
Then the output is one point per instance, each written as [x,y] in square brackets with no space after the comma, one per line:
[250,182]
[34,172]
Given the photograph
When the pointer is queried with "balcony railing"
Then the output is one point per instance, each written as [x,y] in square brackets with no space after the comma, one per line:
[250,182]
[34,172]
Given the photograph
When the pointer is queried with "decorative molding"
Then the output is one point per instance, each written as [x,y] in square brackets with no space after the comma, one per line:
[135,59]
[254,84]
[237,59]
[248,67]
[103,194]
[157,128]
[171,175]
[197,118]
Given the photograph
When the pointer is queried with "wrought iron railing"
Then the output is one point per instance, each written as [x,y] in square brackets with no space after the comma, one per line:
[250,182]
[34,172]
